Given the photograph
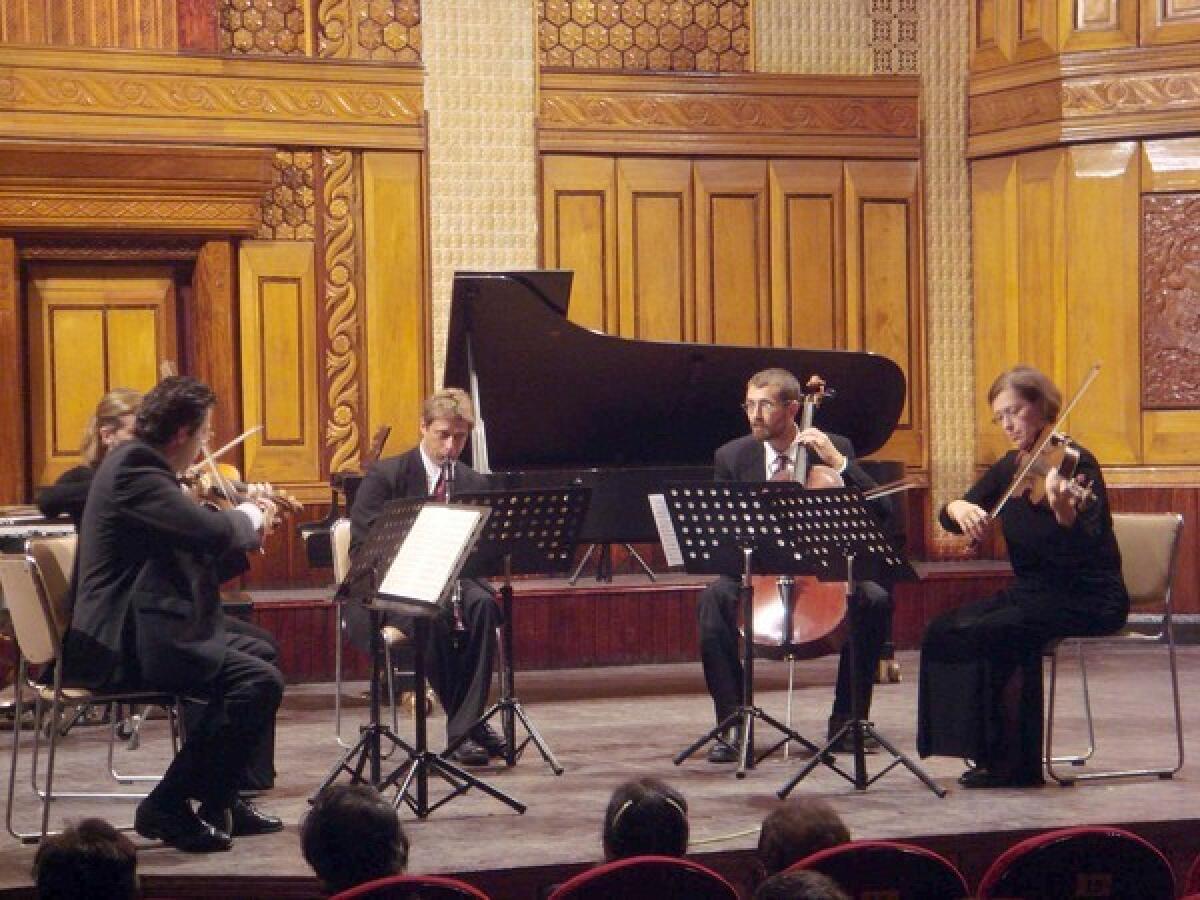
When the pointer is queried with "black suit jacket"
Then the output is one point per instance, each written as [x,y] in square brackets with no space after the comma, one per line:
[147,608]
[397,477]
[745,459]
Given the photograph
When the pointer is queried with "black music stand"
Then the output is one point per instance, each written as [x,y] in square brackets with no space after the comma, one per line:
[362,584]
[835,532]
[724,528]
[529,532]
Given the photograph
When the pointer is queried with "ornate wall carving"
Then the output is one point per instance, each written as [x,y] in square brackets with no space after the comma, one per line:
[894,44]
[122,24]
[387,30]
[262,27]
[340,263]
[288,208]
[646,35]
[1171,301]
[74,95]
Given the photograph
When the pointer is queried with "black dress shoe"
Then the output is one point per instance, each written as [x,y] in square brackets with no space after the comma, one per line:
[469,753]
[721,752]
[179,827]
[242,819]
[845,744]
[490,740]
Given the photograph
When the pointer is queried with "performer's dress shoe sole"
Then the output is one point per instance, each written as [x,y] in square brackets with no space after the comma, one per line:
[243,819]
[182,830]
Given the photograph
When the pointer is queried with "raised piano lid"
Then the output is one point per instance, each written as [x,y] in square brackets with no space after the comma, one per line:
[556,395]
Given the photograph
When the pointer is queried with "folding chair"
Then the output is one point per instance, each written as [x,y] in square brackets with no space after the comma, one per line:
[887,869]
[37,624]
[1086,861]
[1149,545]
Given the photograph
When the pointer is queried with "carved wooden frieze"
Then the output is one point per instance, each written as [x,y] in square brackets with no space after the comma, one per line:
[388,30]
[729,114]
[262,27]
[123,24]
[66,95]
[1171,301]
[288,208]
[645,35]
[340,201]
[1084,96]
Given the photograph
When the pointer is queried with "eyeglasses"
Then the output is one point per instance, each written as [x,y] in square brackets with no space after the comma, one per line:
[1012,412]
[766,406]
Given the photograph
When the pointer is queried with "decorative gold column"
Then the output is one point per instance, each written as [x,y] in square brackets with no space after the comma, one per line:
[479,94]
[943,68]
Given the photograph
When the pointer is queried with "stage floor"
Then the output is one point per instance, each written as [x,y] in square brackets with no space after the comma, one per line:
[606,725]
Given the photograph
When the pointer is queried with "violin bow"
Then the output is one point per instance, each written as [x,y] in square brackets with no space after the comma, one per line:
[1041,445]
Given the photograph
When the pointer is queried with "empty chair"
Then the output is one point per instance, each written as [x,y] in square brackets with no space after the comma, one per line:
[887,868]
[403,887]
[1086,861]
[647,878]
[1149,545]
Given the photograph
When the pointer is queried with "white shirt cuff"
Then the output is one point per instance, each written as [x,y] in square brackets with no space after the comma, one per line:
[253,513]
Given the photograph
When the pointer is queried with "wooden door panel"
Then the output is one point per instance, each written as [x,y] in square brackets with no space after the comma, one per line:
[732,255]
[92,328]
[656,227]
[1041,264]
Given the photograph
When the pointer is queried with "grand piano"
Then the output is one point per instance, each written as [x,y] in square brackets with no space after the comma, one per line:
[558,404]
[561,404]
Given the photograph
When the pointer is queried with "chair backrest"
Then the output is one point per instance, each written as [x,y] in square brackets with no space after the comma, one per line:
[55,557]
[29,608]
[413,887]
[1192,884]
[1085,861]
[339,536]
[1149,545]
[648,877]
[887,868]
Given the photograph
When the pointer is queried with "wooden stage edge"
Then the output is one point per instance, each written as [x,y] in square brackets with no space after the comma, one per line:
[606,725]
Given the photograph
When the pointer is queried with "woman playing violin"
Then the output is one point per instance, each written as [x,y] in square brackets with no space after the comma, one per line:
[980,693]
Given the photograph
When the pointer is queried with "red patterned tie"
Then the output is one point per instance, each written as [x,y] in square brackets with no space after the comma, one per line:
[782,472]
[439,487]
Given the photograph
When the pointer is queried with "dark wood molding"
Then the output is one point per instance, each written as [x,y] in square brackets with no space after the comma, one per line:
[13,477]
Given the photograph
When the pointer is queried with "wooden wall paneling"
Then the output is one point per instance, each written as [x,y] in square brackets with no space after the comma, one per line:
[1036,30]
[656,241]
[1097,24]
[884,300]
[210,333]
[1102,222]
[92,328]
[579,232]
[1042,263]
[13,478]
[278,312]
[1169,22]
[398,353]
[808,288]
[993,33]
[995,239]
[733,303]
[1170,436]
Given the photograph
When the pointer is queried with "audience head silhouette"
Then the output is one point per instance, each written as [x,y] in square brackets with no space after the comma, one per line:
[90,859]
[645,816]
[798,828]
[352,835]
[800,886]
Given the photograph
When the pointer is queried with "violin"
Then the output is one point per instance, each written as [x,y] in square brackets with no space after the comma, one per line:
[227,485]
[800,615]
[1056,452]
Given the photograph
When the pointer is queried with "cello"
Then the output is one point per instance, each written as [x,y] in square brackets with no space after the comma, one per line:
[799,616]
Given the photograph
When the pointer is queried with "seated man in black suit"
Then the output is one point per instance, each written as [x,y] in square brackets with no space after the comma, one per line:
[772,450]
[462,640]
[147,613]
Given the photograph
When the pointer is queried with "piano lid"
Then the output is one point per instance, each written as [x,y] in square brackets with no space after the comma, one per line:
[553,394]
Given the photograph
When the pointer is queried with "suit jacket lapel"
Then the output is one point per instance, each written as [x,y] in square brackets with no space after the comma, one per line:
[417,485]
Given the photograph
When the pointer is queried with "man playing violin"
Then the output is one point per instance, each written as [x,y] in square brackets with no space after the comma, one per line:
[774,449]
[980,693]
[462,640]
[147,614]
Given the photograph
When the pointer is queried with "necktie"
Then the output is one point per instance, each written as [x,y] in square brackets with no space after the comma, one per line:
[439,487]
[783,470]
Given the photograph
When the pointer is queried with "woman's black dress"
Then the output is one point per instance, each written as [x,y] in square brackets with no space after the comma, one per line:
[1067,582]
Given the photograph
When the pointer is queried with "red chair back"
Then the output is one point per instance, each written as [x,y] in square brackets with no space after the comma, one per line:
[647,878]
[413,887]
[1192,885]
[887,868]
[1087,861]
